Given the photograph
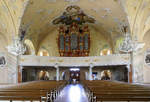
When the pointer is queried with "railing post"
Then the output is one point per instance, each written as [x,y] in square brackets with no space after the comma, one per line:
[57,71]
[90,71]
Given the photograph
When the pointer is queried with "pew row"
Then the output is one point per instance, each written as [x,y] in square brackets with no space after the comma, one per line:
[99,91]
[32,91]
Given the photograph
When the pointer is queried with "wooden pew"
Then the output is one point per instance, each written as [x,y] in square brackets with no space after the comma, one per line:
[33,91]
[116,91]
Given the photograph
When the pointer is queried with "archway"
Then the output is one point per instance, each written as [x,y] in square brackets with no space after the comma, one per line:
[146,50]
[43,52]
[106,52]
[43,75]
[30,50]
[106,75]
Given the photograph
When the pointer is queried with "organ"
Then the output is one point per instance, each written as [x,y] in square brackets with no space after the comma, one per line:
[74,41]
[74,34]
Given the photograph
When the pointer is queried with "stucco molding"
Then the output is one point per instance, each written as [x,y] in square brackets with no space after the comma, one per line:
[116,59]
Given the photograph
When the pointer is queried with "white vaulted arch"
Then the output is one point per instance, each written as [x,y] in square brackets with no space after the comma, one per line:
[30,50]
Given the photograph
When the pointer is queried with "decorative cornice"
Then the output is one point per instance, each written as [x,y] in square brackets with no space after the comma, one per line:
[115,59]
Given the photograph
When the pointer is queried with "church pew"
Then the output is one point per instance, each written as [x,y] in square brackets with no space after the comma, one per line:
[17,90]
[116,91]
[22,95]
[123,99]
[31,90]
[122,87]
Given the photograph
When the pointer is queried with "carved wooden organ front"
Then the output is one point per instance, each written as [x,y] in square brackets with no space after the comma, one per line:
[74,41]
[74,34]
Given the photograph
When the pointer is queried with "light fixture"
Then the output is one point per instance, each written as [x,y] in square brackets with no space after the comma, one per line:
[129,44]
[17,47]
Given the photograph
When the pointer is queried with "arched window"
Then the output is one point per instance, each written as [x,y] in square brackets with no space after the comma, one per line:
[106,75]
[147,47]
[30,50]
[43,52]
[105,52]
[43,75]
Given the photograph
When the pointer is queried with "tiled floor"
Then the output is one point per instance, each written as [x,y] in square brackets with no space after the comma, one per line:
[72,93]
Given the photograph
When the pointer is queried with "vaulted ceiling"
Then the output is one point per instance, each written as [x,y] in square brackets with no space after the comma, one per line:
[39,14]
[36,16]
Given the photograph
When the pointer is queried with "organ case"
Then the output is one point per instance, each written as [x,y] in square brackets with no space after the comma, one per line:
[74,41]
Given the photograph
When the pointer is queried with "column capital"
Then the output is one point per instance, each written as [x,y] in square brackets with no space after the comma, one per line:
[90,72]
[21,66]
[91,65]
[128,67]
[56,65]
[57,71]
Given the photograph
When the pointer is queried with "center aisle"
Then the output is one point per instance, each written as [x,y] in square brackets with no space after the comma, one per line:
[72,93]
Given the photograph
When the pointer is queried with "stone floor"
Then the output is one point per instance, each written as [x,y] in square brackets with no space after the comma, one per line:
[72,93]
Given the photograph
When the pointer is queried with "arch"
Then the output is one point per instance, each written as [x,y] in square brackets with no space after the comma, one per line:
[4,42]
[43,75]
[106,52]
[30,50]
[106,75]
[146,67]
[147,46]
[146,39]
[43,52]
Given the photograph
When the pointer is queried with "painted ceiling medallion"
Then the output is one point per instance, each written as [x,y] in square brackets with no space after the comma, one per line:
[115,0]
[95,10]
[72,14]
[104,16]
[13,1]
[40,11]
[92,0]
[107,10]
[51,0]
[71,0]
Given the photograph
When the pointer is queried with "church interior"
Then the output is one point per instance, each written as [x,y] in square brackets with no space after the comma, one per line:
[75,50]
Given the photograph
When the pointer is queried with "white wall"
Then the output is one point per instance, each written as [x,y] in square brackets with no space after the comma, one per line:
[8,73]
